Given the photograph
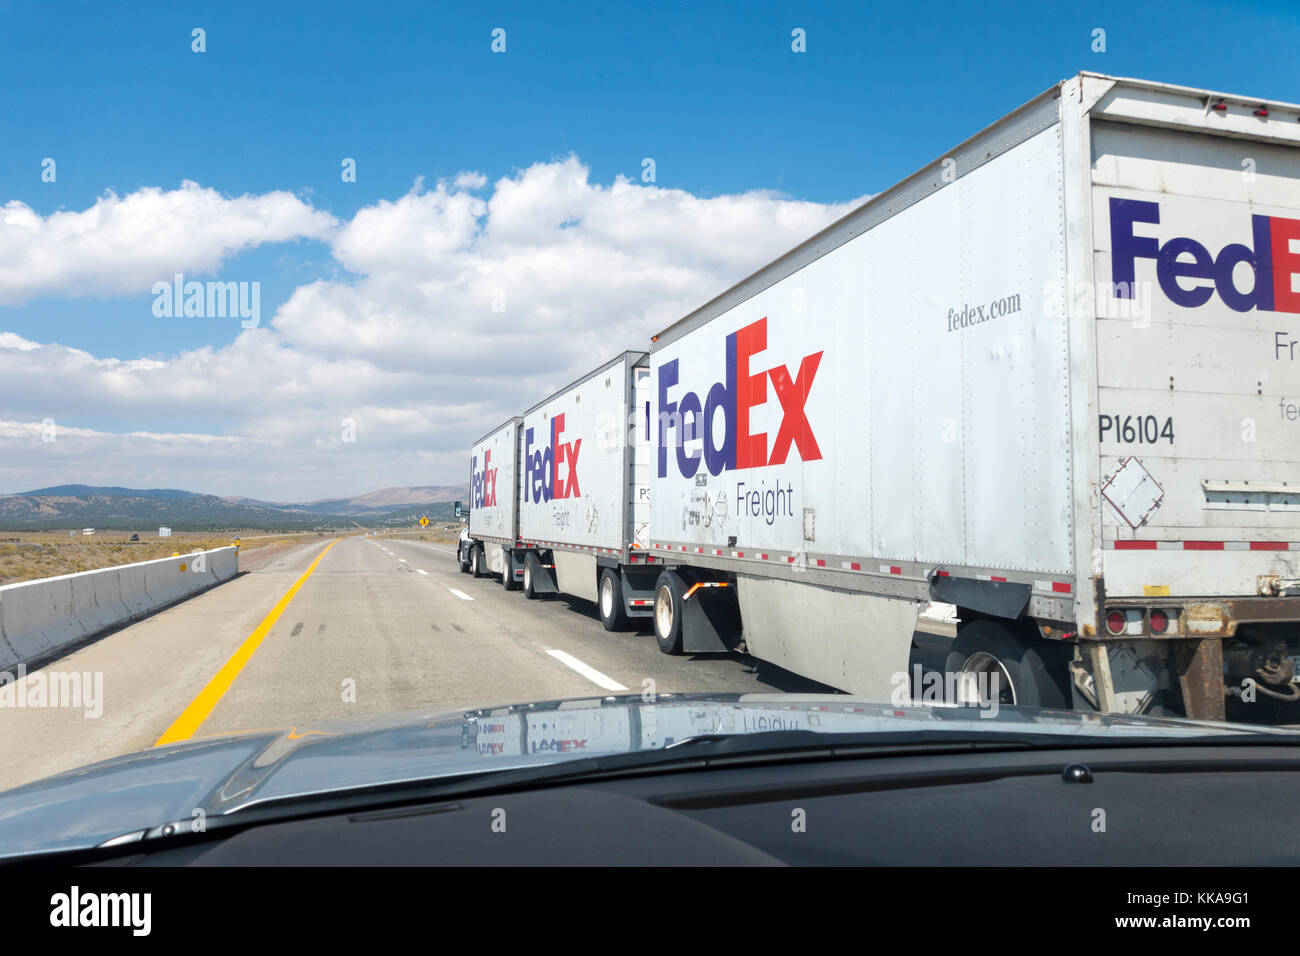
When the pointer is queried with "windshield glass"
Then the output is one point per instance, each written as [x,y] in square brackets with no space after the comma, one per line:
[417,396]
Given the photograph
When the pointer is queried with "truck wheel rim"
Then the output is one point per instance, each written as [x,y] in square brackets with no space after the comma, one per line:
[975,680]
[528,579]
[607,598]
[663,613]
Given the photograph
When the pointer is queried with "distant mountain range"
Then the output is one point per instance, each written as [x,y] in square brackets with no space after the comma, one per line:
[64,507]
[374,502]
[112,492]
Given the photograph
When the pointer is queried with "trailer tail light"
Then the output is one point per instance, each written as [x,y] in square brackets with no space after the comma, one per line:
[1220,107]
[1262,112]
[1159,622]
[1126,620]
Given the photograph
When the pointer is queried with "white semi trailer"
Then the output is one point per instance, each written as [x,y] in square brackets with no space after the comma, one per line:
[1053,379]
[493,526]
[584,509]
[560,498]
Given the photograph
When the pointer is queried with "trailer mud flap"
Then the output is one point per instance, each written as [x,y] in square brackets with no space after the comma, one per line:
[543,576]
[1005,599]
[710,621]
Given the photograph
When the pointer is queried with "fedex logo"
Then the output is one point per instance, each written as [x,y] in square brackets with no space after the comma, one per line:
[736,397]
[542,481]
[483,484]
[1275,261]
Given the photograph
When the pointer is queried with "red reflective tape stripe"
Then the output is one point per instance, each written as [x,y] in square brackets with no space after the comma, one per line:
[1061,587]
[895,569]
[1135,545]
[1268,546]
[943,574]
[821,563]
[996,578]
[1202,545]
[855,566]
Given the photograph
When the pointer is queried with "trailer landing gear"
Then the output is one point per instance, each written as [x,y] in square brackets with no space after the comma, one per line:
[1200,677]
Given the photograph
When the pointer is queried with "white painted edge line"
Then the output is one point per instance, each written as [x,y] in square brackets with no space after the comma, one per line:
[403,560]
[593,675]
[421,571]
[460,594]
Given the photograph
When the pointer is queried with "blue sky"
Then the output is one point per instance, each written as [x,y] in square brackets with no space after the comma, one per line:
[712,92]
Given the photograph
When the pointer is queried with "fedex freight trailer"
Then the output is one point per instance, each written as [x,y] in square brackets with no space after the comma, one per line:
[493,527]
[1051,379]
[584,508]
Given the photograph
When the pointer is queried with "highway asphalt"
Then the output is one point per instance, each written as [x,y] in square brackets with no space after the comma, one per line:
[375,625]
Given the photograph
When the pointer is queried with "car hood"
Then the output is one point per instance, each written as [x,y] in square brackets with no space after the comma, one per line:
[183,782]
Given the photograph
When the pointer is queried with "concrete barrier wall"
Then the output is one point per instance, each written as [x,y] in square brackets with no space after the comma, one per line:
[39,619]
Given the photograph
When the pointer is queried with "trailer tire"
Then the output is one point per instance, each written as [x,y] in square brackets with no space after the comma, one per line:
[529,591]
[670,592]
[613,615]
[476,561]
[1031,672]
[463,561]
[508,572]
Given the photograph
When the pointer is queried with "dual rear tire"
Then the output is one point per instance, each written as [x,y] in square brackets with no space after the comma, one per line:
[994,660]
[609,599]
[530,590]
[670,592]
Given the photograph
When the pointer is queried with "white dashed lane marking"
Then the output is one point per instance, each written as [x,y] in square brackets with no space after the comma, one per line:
[593,675]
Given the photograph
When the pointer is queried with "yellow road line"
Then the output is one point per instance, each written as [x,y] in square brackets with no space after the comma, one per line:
[200,707]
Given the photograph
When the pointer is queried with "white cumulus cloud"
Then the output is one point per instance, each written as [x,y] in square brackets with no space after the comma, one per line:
[461,304]
[123,244]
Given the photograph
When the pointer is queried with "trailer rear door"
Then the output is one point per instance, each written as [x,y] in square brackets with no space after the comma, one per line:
[1197,261]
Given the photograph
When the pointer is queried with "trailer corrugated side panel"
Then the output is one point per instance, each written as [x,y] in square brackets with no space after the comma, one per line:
[494,485]
[575,462]
[902,398]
